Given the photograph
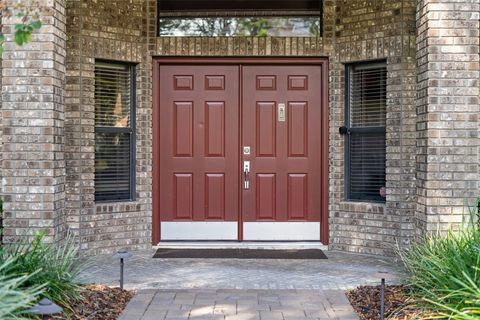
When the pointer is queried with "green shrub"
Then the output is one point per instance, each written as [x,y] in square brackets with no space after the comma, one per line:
[14,297]
[56,265]
[444,271]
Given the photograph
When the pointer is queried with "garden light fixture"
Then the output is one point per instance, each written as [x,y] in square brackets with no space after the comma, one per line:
[122,254]
[45,308]
[382,299]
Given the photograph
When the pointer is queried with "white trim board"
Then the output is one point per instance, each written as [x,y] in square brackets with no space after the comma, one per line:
[252,231]
[268,245]
[199,230]
[281,231]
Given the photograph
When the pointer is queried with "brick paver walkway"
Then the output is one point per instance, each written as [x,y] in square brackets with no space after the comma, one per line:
[228,304]
[235,289]
[340,271]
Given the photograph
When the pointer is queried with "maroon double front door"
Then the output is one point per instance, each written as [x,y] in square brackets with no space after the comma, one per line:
[239,144]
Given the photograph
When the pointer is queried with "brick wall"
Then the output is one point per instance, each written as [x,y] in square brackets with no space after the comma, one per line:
[98,30]
[354,30]
[372,30]
[447,108]
[33,167]
[1,144]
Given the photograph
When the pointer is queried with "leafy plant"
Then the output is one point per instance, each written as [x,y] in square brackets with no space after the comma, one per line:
[444,271]
[14,297]
[56,265]
[23,31]
[29,21]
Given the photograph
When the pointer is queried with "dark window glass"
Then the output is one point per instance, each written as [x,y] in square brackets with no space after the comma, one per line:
[282,18]
[114,131]
[366,143]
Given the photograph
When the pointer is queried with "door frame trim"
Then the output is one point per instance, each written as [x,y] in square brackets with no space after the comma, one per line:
[158,61]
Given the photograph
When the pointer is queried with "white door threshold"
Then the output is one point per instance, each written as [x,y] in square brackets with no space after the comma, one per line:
[270,245]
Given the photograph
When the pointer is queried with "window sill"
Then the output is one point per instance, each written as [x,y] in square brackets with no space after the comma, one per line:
[110,202]
[118,206]
[360,206]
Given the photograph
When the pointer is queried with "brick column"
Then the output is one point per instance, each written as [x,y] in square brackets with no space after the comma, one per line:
[447,111]
[33,86]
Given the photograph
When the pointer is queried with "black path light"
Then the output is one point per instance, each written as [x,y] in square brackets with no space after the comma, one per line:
[382,299]
[45,308]
[122,254]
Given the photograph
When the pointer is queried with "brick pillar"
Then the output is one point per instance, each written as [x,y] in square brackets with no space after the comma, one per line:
[33,86]
[447,111]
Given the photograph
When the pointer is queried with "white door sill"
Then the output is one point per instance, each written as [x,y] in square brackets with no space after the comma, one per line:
[270,245]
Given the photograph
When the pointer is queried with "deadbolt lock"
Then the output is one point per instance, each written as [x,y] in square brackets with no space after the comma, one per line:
[246,150]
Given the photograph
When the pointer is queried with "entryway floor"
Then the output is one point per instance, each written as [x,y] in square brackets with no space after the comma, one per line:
[243,289]
[340,271]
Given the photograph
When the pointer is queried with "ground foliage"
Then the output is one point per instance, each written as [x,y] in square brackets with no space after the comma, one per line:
[13,297]
[54,266]
[97,302]
[398,306]
[444,272]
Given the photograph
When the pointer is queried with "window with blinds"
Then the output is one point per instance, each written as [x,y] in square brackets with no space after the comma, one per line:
[114,132]
[366,101]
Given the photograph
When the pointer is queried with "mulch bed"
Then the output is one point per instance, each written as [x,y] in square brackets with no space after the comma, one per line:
[366,302]
[98,303]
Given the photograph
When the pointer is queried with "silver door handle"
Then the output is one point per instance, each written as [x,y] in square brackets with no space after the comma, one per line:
[246,171]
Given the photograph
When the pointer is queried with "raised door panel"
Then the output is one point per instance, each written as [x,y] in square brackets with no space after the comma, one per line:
[297,190]
[265,197]
[215,196]
[215,129]
[297,117]
[266,129]
[183,129]
[183,196]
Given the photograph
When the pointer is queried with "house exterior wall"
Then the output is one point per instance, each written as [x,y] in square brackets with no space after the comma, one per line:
[447,108]
[354,30]
[369,30]
[33,92]
[98,30]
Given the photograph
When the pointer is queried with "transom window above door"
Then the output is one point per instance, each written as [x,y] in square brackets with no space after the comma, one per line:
[281,18]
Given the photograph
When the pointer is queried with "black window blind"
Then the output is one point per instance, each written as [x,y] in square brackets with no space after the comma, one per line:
[114,131]
[366,141]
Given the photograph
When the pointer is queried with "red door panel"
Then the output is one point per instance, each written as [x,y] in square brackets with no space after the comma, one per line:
[199,143]
[285,174]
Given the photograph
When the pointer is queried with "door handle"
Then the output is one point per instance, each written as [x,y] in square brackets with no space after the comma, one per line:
[246,171]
